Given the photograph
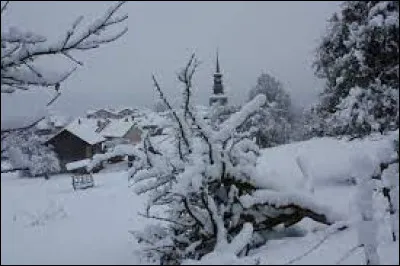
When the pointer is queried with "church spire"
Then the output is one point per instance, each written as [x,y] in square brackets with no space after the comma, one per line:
[217,68]
[218,87]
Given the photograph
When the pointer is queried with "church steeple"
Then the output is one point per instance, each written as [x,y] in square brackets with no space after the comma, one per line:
[218,87]
[217,68]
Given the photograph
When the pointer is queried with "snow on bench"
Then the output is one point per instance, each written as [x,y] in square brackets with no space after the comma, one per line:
[82,181]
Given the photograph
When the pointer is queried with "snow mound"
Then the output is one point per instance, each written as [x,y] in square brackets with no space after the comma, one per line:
[326,160]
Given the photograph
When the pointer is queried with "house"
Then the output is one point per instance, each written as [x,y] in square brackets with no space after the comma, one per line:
[84,137]
[124,112]
[77,141]
[111,113]
[102,114]
[121,131]
[153,123]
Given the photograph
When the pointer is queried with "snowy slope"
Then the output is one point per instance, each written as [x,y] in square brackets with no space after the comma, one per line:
[46,222]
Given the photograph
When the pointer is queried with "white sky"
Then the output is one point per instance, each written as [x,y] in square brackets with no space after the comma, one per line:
[252,37]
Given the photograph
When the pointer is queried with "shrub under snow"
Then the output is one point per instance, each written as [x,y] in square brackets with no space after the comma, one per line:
[204,194]
[27,151]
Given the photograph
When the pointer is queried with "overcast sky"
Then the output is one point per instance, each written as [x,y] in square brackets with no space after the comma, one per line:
[252,37]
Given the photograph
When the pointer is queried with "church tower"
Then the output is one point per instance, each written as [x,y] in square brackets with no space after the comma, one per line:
[218,95]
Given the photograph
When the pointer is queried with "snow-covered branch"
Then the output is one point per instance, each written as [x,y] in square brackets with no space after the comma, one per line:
[4,6]
[212,206]
[21,49]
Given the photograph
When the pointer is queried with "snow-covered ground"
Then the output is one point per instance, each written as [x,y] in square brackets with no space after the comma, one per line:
[46,221]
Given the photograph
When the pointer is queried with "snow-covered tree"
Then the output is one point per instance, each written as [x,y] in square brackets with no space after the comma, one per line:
[22,49]
[306,124]
[359,58]
[271,125]
[159,106]
[28,152]
[206,194]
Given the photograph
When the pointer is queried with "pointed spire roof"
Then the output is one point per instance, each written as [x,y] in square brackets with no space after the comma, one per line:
[217,68]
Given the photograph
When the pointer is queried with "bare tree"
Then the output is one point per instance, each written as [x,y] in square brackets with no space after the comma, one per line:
[20,50]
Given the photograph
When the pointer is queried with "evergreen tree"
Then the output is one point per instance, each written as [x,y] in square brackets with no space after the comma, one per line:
[359,58]
[271,125]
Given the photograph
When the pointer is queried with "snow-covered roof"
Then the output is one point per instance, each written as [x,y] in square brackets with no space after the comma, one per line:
[77,164]
[124,149]
[117,128]
[203,111]
[43,125]
[152,118]
[113,110]
[84,129]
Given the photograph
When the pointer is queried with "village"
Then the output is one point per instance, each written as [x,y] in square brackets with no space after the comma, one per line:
[77,141]
[101,131]
[263,133]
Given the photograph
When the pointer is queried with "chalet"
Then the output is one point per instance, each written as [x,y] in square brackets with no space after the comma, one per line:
[110,113]
[121,131]
[124,112]
[77,141]
[102,114]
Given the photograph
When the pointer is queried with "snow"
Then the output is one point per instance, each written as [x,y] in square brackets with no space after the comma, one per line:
[59,120]
[238,118]
[117,128]
[113,110]
[281,200]
[16,35]
[77,164]
[47,222]
[85,130]
[329,161]
[376,21]
[43,125]
[153,119]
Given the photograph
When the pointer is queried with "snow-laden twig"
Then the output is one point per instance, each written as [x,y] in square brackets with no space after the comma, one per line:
[4,6]
[19,49]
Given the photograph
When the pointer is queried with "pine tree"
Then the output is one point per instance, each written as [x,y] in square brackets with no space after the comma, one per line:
[359,58]
[271,125]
